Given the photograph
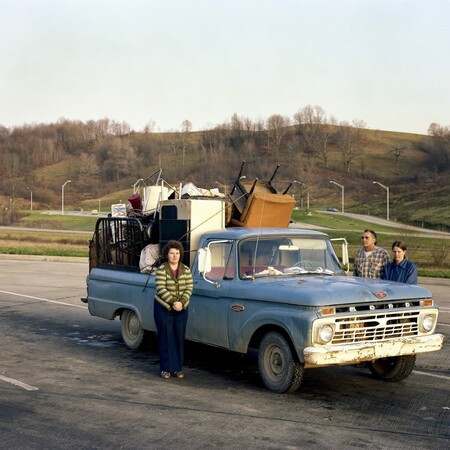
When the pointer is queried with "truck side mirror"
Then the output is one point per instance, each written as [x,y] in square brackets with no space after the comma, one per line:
[345,259]
[204,264]
[204,260]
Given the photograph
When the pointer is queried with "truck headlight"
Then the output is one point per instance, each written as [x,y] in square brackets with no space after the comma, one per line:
[427,323]
[325,333]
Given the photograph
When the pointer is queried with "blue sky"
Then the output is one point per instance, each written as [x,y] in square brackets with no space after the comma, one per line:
[385,62]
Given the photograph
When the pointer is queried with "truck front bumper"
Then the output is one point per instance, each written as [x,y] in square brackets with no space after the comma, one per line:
[368,351]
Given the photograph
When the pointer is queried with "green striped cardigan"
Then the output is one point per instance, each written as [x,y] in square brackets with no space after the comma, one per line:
[170,289]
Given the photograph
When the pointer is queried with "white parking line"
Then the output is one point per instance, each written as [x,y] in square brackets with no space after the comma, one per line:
[43,299]
[431,375]
[25,386]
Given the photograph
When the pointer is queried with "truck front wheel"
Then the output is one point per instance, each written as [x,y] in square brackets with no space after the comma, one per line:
[132,332]
[396,368]
[278,369]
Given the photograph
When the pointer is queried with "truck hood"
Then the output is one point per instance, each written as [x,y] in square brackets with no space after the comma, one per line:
[322,290]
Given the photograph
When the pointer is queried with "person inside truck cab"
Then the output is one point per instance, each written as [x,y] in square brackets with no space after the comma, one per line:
[400,269]
[370,260]
[174,286]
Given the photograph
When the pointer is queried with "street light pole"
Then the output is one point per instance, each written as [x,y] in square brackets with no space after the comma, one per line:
[300,183]
[31,198]
[343,195]
[387,197]
[62,197]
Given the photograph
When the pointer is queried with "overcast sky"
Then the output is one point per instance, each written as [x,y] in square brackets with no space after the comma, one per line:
[386,62]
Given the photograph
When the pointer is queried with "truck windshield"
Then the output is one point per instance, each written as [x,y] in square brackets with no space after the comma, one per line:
[287,257]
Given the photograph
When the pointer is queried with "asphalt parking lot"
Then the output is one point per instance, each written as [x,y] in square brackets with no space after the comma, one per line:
[67,381]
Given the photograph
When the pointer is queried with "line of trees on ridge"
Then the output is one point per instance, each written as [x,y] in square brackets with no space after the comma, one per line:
[101,155]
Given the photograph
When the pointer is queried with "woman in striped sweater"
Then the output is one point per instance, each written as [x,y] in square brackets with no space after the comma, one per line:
[173,291]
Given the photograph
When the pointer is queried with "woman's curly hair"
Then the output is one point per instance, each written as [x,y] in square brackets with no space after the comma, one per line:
[172,244]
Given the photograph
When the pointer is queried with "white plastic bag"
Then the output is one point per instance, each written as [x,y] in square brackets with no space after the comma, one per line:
[149,256]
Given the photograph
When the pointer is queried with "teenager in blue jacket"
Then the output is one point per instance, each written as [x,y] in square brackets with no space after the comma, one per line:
[400,269]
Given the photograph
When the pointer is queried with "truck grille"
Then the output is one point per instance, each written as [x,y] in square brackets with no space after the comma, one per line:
[376,327]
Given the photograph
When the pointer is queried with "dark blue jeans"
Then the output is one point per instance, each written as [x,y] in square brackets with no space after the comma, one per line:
[171,331]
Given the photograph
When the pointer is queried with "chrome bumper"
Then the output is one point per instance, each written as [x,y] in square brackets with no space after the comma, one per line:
[369,351]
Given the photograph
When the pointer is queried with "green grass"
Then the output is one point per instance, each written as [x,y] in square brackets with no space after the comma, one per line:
[36,241]
[43,220]
[34,236]
[44,251]
[437,273]
[337,221]
[431,255]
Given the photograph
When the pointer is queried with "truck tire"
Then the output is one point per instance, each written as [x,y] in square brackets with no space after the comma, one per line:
[132,332]
[278,369]
[396,368]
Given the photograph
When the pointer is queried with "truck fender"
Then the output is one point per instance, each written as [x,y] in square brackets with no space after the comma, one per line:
[253,330]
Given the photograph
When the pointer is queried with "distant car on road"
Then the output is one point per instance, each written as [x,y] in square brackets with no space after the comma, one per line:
[333,209]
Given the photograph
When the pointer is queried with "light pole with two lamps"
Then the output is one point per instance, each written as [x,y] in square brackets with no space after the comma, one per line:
[343,195]
[62,197]
[387,197]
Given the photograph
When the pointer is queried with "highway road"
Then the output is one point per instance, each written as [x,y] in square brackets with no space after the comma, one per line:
[413,231]
[67,381]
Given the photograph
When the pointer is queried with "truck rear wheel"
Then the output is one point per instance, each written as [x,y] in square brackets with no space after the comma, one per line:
[278,369]
[132,332]
[396,368]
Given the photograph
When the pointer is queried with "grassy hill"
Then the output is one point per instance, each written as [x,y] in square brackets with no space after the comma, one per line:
[419,195]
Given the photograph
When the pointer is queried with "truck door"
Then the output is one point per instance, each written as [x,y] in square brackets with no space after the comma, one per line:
[210,302]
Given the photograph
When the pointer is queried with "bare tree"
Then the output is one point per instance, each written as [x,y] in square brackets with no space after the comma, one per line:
[4,134]
[236,139]
[439,147]
[397,151]
[88,172]
[324,136]
[276,131]
[179,140]
[313,132]
[350,140]
[149,127]
[186,128]
[250,136]
[119,129]
[305,131]
[116,159]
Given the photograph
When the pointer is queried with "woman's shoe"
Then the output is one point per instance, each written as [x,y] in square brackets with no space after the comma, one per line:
[165,375]
[179,375]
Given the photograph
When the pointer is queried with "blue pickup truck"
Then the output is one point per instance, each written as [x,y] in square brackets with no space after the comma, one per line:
[281,291]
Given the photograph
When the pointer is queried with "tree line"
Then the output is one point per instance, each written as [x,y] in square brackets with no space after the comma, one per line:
[106,155]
